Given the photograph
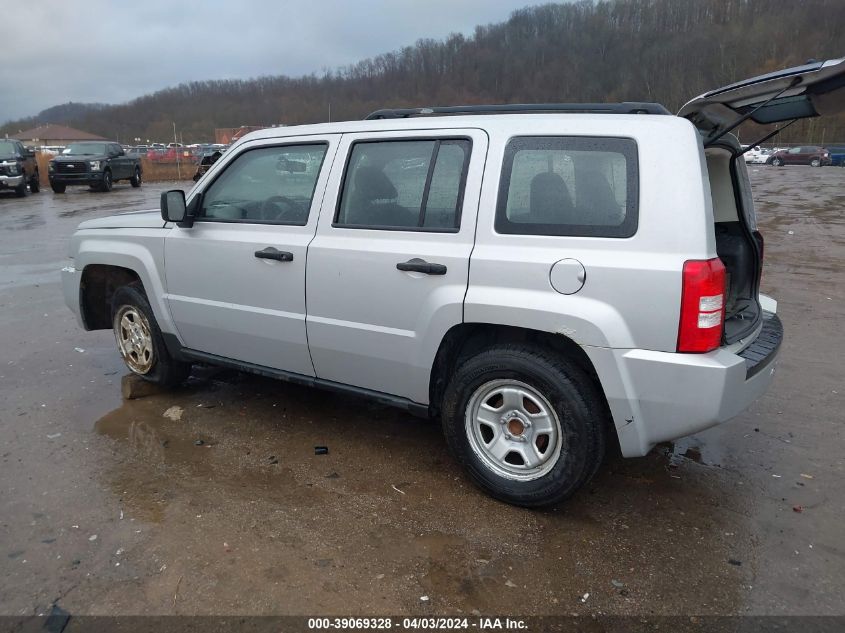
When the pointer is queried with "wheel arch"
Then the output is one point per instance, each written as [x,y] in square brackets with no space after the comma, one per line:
[465,339]
[114,259]
[96,289]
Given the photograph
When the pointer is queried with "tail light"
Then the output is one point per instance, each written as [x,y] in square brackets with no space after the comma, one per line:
[702,305]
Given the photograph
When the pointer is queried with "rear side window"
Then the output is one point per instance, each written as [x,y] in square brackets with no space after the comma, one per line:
[563,185]
[412,185]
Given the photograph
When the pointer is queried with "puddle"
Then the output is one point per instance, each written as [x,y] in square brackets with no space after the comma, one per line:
[387,516]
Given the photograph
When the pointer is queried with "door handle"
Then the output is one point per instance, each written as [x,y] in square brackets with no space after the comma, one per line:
[272,253]
[417,265]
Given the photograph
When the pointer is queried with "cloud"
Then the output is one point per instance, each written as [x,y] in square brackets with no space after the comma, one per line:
[111,52]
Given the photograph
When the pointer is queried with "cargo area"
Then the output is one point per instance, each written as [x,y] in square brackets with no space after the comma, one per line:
[738,243]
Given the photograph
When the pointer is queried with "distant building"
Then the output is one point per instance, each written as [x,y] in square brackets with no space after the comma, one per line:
[226,135]
[52,135]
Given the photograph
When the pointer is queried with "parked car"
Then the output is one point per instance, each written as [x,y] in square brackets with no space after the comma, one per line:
[206,161]
[757,156]
[97,164]
[513,289]
[18,167]
[837,155]
[803,155]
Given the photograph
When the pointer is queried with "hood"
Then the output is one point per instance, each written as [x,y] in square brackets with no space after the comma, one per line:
[132,220]
[811,90]
[64,158]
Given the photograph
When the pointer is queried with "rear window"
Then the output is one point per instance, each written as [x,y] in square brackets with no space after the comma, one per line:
[563,185]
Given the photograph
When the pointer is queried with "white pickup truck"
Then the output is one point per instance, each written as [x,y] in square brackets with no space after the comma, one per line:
[540,278]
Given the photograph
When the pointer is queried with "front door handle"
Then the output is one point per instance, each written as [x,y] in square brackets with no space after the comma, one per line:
[417,265]
[272,253]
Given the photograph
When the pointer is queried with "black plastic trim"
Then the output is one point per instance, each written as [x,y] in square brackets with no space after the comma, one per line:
[627,107]
[177,351]
[765,347]
[742,214]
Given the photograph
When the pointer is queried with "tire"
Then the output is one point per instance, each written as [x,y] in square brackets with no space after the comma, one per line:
[815,162]
[777,162]
[107,183]
[135,181]
[509,378]
[57,188]
[139,339]
[35,183]
[21,190]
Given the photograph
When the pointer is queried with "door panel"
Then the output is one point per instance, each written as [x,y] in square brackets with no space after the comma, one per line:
[224,298]
[371,324]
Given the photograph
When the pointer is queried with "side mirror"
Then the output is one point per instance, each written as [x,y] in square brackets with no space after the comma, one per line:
[173,207]
[30,153]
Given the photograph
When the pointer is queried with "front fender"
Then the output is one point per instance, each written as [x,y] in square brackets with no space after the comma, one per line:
[142,251]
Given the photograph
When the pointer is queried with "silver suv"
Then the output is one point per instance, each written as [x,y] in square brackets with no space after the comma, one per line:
[540,278]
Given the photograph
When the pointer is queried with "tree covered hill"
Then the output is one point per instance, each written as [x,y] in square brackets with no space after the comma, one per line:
[610,50]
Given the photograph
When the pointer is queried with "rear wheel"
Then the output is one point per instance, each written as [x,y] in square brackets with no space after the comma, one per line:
[815,162]
[135,181]
[35,183]
[139,339]
[528,425]
[777,162]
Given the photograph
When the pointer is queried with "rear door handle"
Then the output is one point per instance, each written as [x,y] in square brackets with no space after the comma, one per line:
[417,265]
[272,253]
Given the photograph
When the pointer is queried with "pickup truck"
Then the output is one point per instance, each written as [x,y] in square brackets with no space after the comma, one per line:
[17,167]
[97,164]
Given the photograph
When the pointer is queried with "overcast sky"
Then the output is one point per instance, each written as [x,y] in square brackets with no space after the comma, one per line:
[109,51]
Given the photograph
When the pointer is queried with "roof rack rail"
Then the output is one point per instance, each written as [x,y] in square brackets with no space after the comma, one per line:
[626,107]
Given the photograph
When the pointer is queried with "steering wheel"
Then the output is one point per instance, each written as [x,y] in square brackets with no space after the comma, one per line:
[279,209]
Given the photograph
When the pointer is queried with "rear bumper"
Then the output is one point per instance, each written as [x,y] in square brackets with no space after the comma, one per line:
[11,181]
[659,396]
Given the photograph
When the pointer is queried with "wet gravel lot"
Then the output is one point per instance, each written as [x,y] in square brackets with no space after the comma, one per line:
[107,506]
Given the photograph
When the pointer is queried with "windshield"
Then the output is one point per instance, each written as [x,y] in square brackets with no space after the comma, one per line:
[85,149]
[7,148]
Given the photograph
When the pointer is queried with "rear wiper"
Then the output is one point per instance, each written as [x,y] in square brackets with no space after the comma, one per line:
[767,137]
[750,113]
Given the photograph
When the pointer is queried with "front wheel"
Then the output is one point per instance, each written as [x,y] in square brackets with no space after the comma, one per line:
[139,339]
[107,182]
[777,162]
[815,162]
[58,188]
[135,181]
[528,425]
[20,190]
[35,183]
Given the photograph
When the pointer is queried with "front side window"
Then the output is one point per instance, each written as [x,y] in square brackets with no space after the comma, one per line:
[409,184]
[271,185]
[575,186]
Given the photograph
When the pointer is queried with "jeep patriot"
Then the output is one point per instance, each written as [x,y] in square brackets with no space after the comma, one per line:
[540,278]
